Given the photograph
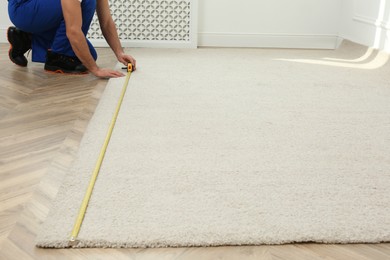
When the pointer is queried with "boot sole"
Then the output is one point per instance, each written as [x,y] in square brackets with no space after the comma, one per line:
[10,50]
[58,70]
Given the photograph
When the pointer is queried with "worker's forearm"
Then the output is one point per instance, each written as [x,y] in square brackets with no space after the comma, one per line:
[81,49]
[110,34]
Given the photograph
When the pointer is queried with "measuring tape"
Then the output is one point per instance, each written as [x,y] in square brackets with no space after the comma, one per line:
[80,217]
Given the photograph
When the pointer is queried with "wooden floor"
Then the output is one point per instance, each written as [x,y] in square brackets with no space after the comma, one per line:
[42,119]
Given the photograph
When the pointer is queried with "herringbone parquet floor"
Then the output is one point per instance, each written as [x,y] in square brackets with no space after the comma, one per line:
[42,119]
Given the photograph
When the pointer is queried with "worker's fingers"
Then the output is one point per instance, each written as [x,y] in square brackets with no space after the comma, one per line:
[108,73]
[133,62]
[116,74]
[128,59]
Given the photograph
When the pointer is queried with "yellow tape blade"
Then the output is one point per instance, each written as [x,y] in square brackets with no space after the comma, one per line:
[88,193]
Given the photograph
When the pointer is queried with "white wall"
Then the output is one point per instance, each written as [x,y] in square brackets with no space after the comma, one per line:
[366,22]
[284,23]
[266,23]
[4,21]
[260,23]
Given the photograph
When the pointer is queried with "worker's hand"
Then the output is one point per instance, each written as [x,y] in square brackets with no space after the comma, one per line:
[107,73]
[125,59]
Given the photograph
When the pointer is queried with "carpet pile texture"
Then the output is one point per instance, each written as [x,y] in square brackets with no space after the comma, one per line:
[236,147]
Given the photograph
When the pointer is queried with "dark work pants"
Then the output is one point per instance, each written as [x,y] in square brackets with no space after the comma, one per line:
[45,21]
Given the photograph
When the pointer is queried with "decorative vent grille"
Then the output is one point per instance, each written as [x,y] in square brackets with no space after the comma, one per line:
[151,21]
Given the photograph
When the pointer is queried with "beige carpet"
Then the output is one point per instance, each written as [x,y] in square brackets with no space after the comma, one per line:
[237,147]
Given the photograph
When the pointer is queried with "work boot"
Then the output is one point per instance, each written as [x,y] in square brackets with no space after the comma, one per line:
[20,43]
[60,63]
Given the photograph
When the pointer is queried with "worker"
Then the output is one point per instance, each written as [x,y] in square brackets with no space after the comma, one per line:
[55,31]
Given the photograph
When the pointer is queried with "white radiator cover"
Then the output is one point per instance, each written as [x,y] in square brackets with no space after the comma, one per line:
[151,23]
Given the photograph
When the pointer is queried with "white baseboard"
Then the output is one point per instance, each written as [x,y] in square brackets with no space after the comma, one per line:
[382,24]
[268,40]
[148,44]
[3,35]
[374,32]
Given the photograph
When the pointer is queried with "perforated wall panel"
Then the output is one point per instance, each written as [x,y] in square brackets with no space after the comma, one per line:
[151,22]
